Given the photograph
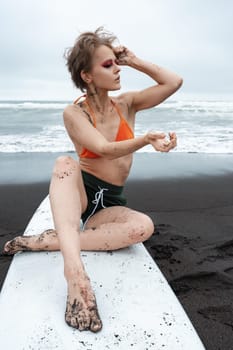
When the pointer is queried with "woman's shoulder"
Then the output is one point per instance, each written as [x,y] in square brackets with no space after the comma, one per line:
[125,102]
[125,98]
[71,110]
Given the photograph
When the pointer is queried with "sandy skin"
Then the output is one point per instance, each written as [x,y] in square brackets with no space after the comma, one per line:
[81,311]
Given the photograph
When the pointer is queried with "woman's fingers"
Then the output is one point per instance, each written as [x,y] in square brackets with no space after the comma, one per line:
[123,55]
[119,49]
[154,135]
[159,141]
[161,144]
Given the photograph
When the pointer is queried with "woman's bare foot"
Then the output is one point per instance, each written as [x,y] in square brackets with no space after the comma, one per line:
[15,245]
[90,300]
[81,307]
[45,241]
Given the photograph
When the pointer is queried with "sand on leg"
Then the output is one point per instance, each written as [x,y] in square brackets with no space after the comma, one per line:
[111,228]
[46,240]
[68,199]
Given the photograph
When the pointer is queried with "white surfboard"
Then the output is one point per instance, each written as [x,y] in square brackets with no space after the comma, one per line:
[137,306]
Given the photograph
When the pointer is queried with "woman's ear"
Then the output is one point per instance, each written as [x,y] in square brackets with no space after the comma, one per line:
[86,77]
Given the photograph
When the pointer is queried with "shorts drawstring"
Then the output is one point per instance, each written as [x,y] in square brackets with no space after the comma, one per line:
[99,198]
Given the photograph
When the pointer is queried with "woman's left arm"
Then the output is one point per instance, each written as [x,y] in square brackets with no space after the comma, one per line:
[167,81]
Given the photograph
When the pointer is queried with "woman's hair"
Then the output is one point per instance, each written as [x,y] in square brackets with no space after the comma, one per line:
[79,57]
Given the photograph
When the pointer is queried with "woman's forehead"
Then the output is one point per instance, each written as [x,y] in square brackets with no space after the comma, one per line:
[102,53]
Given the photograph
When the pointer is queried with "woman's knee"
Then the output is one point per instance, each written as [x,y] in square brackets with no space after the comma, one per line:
[148,225]
[67,172]
[65,166]
[142,228]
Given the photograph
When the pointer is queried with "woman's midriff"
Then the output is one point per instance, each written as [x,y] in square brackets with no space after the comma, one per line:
[113,171]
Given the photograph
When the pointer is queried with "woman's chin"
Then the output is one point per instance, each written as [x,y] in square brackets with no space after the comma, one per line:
[118,87]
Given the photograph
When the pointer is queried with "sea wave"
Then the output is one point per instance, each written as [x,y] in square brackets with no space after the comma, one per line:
[37,126]
[56,140]
[198,106]
[177,105]
[57,105]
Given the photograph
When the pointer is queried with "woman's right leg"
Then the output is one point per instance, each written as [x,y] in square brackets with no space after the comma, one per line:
[68,200]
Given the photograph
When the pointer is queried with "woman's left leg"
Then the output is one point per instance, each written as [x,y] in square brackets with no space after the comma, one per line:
[109,229]
[114,228]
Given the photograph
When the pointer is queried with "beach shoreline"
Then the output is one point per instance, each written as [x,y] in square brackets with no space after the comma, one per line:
[190,199]
[36,167]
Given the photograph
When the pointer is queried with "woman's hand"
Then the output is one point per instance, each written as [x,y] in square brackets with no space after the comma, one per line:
[124,57]
[160,143]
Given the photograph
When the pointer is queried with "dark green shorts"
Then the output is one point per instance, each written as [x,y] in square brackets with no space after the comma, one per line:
[100,194]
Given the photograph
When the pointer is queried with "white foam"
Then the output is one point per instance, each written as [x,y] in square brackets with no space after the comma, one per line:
[201,125]
[33,105]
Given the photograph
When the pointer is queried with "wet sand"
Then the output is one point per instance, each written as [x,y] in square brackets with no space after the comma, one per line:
[190,199]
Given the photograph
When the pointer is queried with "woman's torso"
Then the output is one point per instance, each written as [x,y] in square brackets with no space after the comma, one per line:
[114,171]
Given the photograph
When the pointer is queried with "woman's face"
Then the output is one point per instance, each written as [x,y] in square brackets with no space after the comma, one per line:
[105,73]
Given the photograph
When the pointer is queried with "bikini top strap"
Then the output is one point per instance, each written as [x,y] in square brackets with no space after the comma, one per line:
[79,98]
[90,109]
[117,109]
[92,113]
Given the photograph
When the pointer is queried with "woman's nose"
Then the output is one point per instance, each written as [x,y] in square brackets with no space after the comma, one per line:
[117,68]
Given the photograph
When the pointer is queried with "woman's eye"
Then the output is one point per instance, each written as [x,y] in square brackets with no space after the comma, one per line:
[107,64]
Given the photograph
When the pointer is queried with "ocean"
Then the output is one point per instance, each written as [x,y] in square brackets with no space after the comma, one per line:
[202,126]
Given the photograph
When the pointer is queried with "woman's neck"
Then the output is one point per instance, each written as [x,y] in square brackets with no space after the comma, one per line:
[99,101]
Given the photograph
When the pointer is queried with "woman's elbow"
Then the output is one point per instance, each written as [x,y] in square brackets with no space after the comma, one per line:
[174,85]
[106,151]
[178,83]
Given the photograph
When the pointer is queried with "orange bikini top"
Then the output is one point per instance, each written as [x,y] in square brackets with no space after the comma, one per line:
[124,130]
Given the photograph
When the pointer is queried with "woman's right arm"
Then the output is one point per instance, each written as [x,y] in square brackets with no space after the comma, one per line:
[82,133]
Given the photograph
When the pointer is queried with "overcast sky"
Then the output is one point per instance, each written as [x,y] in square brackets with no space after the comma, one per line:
[191,37]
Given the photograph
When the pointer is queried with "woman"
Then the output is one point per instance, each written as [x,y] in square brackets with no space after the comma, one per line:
[101,129]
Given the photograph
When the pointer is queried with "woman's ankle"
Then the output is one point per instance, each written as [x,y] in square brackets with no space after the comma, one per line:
[74,270]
